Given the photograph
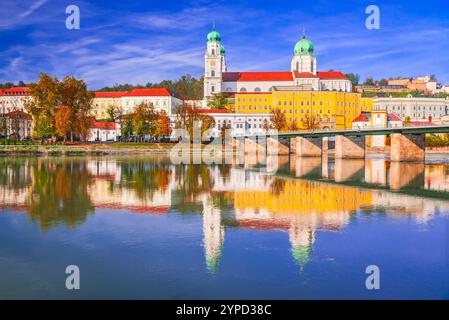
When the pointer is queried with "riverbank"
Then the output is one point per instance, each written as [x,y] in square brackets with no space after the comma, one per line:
[87,149]
[123,148]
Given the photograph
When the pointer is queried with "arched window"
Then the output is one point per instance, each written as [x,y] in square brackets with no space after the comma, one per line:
[213,51]
[212,89]
[212,73]
[243,89]
[228,89]
[297,66]
[257,89]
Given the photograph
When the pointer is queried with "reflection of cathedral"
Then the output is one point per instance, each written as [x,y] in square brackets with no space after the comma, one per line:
[229,196]
[213,234]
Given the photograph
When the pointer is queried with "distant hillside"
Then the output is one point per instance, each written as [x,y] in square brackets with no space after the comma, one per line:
[185,88]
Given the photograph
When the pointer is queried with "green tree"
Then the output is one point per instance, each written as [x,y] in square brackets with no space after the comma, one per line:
[369,81]
[218,101]
[407,121]
[144,120]
[113,113]
[354,78]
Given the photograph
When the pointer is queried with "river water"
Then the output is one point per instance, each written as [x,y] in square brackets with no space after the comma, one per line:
[285,228]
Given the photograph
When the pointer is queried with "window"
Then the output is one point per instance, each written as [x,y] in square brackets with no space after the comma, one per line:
[213,88]
[213,51]
[243,89]
[257,89]
[212,73]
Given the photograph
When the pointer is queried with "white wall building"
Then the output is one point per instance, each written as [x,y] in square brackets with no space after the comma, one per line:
[13,99]
[159,97]
[104,131]
[417,108]
[239,123]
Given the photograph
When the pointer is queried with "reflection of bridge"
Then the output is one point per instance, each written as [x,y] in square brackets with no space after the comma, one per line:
[407,143]
[406,178]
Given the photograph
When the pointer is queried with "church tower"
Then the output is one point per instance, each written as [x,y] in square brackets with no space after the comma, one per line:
[304,59]
[214,64]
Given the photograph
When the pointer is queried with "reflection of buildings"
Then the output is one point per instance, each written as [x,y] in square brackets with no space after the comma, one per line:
[301,207]
[213,234]
[230,196]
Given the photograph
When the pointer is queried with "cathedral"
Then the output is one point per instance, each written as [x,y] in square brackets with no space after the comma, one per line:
[303,74]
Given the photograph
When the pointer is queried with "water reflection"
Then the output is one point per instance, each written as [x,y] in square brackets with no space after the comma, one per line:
[304,196]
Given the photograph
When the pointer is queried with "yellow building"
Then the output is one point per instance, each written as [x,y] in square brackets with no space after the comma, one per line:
[332,109]
[300,196]
[104,101]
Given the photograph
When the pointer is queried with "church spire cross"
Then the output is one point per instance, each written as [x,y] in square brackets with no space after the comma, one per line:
[303,32]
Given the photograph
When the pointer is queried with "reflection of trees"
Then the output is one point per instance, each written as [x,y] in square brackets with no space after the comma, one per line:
[145,178]
[225,172]
[60,193]
[192,181]
[277,186]
[14,172]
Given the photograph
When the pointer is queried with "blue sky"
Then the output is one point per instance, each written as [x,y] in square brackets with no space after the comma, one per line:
[148,41]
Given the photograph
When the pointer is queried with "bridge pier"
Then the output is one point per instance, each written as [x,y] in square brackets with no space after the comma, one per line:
[275,147]
[406,175]
[308,147]
[255,146]
[349,147]
[408,147]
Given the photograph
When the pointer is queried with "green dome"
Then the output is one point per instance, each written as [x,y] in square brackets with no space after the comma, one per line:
[213,36]
[222,50]
[304,47]
[301,254]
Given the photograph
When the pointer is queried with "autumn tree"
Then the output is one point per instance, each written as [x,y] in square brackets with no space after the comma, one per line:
[278,119]
[187,117]
[63,124]
[42,105]
[48,94]
[207,122]
[293,126]
[310,122]
[74,94]
[163,125]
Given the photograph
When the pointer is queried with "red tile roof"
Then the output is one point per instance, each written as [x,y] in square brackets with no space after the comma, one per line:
[279,76]
[103,125]
[215,111]
[148,92]
[361,118]
[394,117]
[17,91]
[331,75]
[110,94]
[258,92]
[258,76]
[304,75]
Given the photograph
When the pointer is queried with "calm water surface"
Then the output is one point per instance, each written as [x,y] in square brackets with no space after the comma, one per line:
[281,229]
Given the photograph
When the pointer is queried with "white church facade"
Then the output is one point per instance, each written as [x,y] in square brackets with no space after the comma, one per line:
[303,72]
